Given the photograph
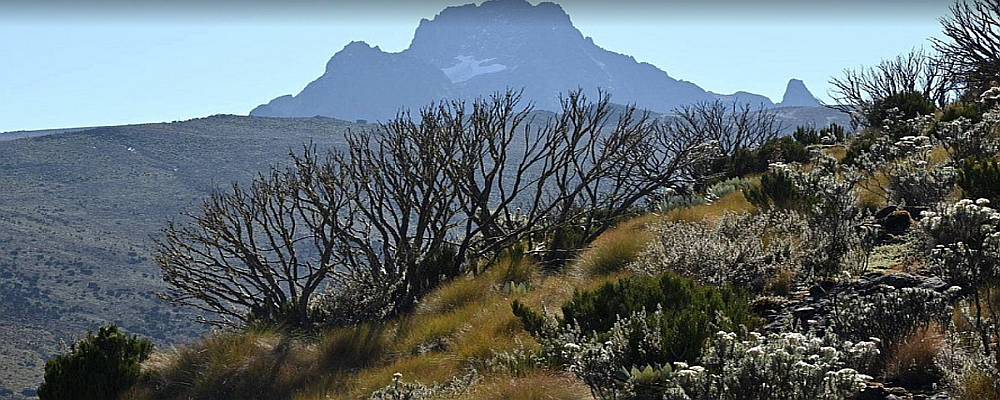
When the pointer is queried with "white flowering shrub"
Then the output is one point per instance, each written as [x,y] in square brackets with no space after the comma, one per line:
[671,200]
[967,367]
[964,138]
[833,216]
[740,249]
[787,366]
[964,242]
[400,390]
[890,314]
[722,188]
[906,164]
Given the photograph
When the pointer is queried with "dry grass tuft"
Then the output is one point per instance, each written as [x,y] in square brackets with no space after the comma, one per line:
[782,280]
[732,202]
[838,152]
[616,248]
[229,365]
[979,386]
[543,385]
[911,361]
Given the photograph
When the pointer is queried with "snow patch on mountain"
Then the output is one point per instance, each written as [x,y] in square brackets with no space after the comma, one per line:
[468,67]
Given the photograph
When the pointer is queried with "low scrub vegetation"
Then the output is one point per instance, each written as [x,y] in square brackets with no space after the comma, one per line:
[696,257]
[100,366]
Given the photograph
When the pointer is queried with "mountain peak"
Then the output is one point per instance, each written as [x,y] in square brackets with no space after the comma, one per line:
[797,95]
[495,28]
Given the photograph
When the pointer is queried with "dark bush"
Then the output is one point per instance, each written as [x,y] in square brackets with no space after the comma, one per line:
[958,110]
[532,321]
[96,368]
[776,191]
[689,311]
[909,105]
[835,131]
[751,161]
[980,178]
[859,145]
[805,135]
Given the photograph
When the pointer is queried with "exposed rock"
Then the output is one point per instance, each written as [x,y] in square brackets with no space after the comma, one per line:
[797,95]
[813,308]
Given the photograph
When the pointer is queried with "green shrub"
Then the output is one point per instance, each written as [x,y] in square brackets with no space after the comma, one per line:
[751,161]
[689,311]
[777,191]
[907,105]
[97,367]
[805,135]
[834,131]
[958,110]
[533,322]
[980,178]
[859,145]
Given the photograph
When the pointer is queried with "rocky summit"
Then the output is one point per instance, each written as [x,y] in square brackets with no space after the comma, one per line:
[797,95]
[474,50]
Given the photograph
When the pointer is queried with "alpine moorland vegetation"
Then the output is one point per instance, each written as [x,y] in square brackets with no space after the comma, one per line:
[474,252]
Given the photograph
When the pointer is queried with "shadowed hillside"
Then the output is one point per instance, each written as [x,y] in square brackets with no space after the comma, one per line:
[77,212]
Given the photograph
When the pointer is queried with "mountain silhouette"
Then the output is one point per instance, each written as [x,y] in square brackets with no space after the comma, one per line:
[474,50]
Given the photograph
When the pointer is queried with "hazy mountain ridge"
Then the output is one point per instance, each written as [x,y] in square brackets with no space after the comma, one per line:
[78,212]
[473,50]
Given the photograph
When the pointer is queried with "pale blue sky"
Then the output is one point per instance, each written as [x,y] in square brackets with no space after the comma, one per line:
[84,63]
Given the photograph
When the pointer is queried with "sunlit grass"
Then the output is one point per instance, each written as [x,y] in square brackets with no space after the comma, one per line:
[541,385]
[428,369]
[838,152]
[732,202]
[461,325]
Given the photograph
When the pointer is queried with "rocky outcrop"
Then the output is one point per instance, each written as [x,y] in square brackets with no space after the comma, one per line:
[797,95]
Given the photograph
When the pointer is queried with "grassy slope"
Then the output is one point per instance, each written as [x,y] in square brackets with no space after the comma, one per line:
[77,211]
[460,325]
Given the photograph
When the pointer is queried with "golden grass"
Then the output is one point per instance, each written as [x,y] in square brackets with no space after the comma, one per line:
[456,294]
[939,155]
[616,248]
[732,202]
[462,324]
[838,152]
[872,193]
[229,365]
[782,280]
[977,385]
[541,385]
[421,332]
[428,369]
[351,347]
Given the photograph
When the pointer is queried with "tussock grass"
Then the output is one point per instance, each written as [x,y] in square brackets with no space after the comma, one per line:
[911,361]
[616,248]
[461,325]
[978,386]
[542,385]
[838,152]
[428,369]
[351,347]
[732,202]
[229,365]
[454,295]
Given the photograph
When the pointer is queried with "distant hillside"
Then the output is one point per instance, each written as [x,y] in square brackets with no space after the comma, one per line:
[77,212]
[474,50]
